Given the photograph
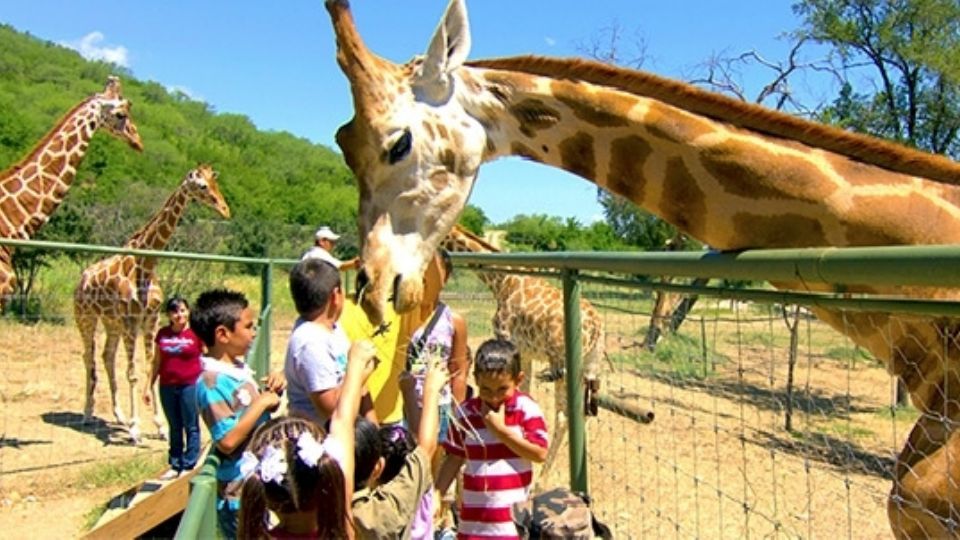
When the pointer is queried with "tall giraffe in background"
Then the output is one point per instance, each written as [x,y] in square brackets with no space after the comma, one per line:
[33,188]
[731,174]
[122,292]
[530,314]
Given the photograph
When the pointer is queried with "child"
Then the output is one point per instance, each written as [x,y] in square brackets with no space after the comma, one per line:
[498,434]
[303,477]
[227,395]
[394,476]
[317,350]
[176,362]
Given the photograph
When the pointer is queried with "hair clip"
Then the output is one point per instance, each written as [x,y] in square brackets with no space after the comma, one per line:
[309,450]
[271,468]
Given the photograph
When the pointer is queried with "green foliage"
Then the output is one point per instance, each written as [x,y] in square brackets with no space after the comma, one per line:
[279,186]
[677,357]
[473,219]
[539,232]
[905,54]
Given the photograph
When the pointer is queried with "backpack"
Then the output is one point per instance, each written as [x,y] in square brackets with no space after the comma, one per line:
[558,513]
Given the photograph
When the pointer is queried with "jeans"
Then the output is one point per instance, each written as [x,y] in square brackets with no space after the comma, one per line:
[179,403]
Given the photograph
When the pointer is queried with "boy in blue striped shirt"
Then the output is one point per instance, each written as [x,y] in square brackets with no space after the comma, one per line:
[229,401]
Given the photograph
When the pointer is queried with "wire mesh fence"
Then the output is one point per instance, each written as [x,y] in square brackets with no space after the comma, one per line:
[744,441]
[748,439]
[44,433]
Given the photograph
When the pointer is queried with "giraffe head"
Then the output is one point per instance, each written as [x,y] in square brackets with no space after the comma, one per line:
[414,150]
[201,185]
[115,114]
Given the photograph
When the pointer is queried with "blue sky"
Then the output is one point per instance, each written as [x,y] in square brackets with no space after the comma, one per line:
[275,61]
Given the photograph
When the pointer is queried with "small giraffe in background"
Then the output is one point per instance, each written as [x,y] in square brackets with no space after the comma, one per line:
[530,314]
[32,189]
[122,291]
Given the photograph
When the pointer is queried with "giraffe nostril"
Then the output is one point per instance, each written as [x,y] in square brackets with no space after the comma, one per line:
[395,290]
[362,281]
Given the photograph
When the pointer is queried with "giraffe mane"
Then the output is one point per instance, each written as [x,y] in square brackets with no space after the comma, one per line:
[864,148]
[483,243]
[37,147]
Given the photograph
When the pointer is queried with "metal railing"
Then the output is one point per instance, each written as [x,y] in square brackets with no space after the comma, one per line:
[839,267]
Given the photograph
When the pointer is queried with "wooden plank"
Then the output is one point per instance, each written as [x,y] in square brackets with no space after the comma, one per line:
[165,499]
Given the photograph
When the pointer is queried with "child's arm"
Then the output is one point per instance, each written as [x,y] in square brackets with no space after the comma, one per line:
[429,425]
[459,363]
[411,412]
[448,472]
[266,401]
[360,364]
[535,450]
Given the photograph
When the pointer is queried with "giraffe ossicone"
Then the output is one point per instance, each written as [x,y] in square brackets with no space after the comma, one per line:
[33,188]
[122,292]
[731,174]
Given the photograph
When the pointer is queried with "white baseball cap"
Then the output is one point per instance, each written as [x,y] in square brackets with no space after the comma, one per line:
[326,233]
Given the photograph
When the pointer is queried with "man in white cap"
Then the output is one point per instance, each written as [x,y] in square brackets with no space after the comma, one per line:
[323,243]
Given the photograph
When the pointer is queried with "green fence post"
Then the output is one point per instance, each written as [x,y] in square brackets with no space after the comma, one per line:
[199,518]
[574,376]
[266,316]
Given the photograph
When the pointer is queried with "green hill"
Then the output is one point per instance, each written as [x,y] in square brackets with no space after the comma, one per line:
[279,186]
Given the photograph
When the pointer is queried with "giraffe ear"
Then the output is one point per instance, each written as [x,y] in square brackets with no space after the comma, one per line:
[448,51]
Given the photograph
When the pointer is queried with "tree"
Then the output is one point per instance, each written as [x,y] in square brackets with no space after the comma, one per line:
[901,65]
[473,219]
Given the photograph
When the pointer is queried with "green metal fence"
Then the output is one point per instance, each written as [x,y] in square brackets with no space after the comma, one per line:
[843,269]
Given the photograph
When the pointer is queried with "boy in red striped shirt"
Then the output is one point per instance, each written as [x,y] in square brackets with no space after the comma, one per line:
[498,435]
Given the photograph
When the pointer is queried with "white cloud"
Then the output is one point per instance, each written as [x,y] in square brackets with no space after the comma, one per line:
[550,41]
[174,88]
[91,47]
[597,217]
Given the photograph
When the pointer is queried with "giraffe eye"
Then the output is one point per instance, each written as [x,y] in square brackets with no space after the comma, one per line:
[401,148]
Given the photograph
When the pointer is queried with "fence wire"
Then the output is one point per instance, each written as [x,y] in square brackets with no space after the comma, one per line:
[718,460]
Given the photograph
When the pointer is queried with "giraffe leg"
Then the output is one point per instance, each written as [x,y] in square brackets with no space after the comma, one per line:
[133,377]
[87,326]
[109,362]
[558,439]
[925,499]
[149,331]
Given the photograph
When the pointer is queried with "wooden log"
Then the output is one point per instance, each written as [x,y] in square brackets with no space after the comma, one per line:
[625,408]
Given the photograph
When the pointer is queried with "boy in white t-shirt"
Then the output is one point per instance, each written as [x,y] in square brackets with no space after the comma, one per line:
[317,350]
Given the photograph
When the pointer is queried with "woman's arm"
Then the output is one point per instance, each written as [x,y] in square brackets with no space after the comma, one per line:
[154,373]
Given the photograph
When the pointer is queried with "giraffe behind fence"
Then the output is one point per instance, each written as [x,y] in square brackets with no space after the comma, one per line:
[530,314]
[122,292]
[32,189]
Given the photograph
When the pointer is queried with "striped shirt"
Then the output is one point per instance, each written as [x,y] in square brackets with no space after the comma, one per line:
[494,477]
[224,392]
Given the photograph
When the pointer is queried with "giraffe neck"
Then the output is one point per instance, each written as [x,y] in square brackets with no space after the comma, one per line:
[459,241]
[727,185]
[33,188]
[157,232]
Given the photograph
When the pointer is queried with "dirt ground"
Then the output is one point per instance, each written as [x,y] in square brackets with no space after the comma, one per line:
[716,462]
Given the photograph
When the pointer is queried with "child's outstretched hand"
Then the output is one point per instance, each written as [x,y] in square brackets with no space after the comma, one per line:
[436,376]
[363,353]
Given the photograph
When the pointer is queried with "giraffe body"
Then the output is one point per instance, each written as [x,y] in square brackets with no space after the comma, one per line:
[33,188]
[530,314]
[731,174]
[122,292]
